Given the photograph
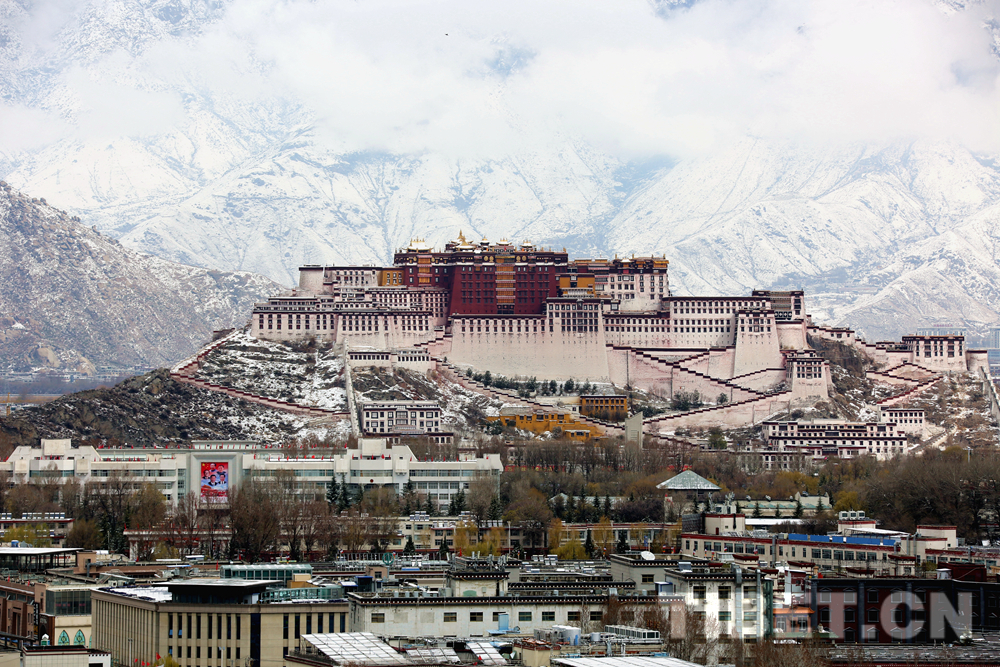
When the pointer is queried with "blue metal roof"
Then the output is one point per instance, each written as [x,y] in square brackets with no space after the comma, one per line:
[838,539]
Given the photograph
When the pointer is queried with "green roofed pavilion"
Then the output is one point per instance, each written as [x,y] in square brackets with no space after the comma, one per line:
[688,480]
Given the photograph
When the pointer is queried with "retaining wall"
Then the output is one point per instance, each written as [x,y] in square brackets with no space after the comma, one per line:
[734,415]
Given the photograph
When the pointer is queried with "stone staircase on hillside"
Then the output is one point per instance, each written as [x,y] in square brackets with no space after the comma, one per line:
[722,385]
[769,404]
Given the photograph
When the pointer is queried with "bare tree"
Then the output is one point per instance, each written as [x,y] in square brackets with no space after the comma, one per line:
[532,512]
[381,510]
[148,511]
[212,523]
[291,510]
[185,521]
[350,530]
[254,518]
[482,490]
[313,518]
[114,501]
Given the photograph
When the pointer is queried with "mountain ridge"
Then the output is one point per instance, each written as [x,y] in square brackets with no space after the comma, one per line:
[245,183]
[72,298]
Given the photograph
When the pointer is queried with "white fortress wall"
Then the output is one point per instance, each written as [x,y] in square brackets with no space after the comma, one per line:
[808,392]
[757,345]
[721,362]
[792,335]
[728,416]
[368,358]
[645,371]
[522,345]
[761,380]
[294,326]
[637,329]
[977,360]
[311,279]
[418,360]
[697,363]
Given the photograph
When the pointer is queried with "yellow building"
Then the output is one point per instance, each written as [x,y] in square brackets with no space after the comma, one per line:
[391,277]
[210,622]
[539,421]
[604,407]
[577,284]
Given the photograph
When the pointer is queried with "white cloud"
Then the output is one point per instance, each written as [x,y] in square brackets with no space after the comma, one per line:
[24,129]
[467,78]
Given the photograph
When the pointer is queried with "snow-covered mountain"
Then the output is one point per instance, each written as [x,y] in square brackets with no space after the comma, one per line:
[885,237]
[72,298]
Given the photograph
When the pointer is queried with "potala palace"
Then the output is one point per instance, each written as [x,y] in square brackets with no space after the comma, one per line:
[519,310]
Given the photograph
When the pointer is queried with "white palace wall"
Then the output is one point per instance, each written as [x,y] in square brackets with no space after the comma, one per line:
[757,344]
[521,345]
[792,335]
[665,379]
[728,416]
[811,390]
[721,362]
[761,380]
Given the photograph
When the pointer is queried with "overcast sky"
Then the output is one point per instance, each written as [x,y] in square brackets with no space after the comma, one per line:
[631,77]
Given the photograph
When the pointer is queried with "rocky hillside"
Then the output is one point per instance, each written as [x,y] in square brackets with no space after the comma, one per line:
[72,298]
[152,409]
[305,374]
[312,374]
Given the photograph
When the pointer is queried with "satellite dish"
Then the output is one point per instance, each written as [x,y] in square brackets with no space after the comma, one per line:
[647,555]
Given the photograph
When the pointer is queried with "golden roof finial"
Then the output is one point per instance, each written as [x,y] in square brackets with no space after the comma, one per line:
[461,236]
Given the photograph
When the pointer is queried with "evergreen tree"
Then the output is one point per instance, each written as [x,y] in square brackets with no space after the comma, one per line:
[798,509]
[559,507]
[496,509]
[571,508]
[588,545]
[739,510]
[756,510]
[429,507]
[443,549]
[607,506]
[332,492]
[460,504]
[622,546]
[553,387]
[408,548]
[820,508]
[344,501]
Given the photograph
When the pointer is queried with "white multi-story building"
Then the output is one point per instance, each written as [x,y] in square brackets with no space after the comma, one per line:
[907,420]
[212,468]
[731,602]
[827,437]
[401,417]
